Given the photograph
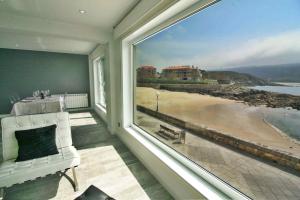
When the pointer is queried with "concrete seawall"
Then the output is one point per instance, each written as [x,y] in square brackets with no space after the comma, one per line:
[177,87]
[151,85]
[266,153]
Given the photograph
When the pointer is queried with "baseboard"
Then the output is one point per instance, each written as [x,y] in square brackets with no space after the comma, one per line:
[78,109]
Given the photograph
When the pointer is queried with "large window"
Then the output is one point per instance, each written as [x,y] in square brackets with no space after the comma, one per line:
[222,88]
[99,83]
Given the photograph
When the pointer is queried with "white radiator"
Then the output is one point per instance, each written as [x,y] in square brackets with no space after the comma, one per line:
[74,100]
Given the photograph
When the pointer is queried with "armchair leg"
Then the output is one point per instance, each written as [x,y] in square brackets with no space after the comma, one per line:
[76,187]
[1,193]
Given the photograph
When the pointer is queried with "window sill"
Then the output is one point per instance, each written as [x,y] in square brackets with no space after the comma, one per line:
[200,179]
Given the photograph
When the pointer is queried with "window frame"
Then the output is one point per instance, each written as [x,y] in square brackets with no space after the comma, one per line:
[202,180]
[97,83]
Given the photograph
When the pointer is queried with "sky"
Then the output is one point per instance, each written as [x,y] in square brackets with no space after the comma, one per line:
[230,33]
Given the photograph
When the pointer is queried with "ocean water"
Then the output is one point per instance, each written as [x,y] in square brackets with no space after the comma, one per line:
[293,89]
[287,120]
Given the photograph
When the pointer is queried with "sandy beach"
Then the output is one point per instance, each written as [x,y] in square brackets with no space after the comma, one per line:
[227,116]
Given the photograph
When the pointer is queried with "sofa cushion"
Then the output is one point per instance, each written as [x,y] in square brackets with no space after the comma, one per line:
[36,143]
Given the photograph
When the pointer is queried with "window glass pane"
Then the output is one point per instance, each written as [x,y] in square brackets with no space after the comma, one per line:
[222,87]
[100,83]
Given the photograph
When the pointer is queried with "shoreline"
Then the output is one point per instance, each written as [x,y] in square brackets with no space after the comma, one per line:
[283,134]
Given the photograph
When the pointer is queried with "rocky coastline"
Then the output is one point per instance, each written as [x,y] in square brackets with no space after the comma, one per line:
[240,93]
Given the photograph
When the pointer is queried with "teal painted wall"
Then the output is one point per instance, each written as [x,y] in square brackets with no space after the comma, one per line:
[22,72]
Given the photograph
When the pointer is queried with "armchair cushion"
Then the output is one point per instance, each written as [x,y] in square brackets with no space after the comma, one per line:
[12,124]
[12,172]
[36,143]
[18,172]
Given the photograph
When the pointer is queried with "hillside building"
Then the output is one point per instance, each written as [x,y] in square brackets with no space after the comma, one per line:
[181,73]
[146,72]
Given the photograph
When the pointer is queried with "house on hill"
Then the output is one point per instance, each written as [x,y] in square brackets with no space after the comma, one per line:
[181,73]
[146,72]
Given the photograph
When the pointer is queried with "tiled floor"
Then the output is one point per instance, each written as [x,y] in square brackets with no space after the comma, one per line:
[105,162]
[257,179]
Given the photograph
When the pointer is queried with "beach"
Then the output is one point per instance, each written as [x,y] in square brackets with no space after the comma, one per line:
[226,116]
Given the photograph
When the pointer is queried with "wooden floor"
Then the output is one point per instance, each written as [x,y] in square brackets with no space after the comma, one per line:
[105,162]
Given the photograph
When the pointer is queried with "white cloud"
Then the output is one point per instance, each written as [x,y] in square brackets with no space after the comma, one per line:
[257,51]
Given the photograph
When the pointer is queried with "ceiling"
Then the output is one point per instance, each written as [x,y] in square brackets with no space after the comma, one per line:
[57,25]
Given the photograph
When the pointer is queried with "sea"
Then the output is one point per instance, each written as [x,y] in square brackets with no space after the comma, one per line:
[285,119]
[287,88]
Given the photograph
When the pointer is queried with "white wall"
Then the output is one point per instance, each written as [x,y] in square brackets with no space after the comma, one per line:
[175,184]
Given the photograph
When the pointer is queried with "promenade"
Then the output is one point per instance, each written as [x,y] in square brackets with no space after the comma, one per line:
[254,177]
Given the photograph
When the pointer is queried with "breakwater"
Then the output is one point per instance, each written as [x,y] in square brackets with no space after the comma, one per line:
[257,150]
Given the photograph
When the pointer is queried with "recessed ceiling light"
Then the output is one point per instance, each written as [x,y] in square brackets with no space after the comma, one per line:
[82,11]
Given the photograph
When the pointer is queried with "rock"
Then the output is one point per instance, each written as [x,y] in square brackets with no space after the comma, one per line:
[240,93]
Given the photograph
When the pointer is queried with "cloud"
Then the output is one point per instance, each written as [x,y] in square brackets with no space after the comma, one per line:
[259,51]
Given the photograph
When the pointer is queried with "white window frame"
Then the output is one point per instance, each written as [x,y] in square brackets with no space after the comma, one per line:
[203,181]
[96,86]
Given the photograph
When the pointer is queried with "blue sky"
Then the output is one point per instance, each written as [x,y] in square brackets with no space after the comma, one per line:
[227,34]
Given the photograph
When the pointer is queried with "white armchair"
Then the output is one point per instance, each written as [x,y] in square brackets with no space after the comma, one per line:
[12,172]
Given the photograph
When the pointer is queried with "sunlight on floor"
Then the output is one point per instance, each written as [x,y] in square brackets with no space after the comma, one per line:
[82,119]
[80,115]
[104,168]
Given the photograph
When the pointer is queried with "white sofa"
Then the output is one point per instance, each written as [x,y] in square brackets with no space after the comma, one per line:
[12,172]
